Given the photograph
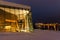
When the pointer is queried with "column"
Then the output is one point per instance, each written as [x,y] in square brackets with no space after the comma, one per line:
[48,27]
[55,27]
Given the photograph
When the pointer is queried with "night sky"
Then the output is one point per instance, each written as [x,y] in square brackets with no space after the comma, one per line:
[46,11]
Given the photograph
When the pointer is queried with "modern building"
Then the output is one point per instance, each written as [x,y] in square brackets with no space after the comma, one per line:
[15,17]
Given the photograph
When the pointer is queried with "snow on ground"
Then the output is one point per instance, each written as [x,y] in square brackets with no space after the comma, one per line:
[35,35]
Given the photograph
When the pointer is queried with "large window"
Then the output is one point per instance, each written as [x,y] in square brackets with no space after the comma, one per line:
[8,19]
[1,15]
[1,18]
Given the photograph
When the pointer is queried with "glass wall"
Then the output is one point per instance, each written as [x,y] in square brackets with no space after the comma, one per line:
[8,19]
[14,20]
[1,18]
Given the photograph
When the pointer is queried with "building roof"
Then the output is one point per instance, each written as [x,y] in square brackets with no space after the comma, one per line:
[14,4]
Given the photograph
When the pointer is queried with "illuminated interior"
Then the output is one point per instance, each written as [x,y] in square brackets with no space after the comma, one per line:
[15,19]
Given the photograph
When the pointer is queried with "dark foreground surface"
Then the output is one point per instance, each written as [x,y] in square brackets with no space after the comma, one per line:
[36,35]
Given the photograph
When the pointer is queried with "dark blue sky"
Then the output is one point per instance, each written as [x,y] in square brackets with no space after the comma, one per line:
[43,10]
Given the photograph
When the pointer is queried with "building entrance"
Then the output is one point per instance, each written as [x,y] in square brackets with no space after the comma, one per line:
[21,24]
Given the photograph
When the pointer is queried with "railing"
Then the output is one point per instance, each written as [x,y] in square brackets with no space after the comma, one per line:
[55,26]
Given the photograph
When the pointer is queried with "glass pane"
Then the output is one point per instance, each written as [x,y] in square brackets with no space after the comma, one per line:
[1,19]
[7,10]
[1,8]
[12,11]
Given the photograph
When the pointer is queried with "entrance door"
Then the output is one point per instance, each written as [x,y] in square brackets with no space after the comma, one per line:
[21,24]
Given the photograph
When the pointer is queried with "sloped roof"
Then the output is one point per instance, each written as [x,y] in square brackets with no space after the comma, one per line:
[13,4]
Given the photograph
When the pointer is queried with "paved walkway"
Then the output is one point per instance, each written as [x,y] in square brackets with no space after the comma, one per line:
[36,35]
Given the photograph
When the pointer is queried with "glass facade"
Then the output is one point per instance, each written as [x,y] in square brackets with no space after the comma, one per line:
[15,19]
